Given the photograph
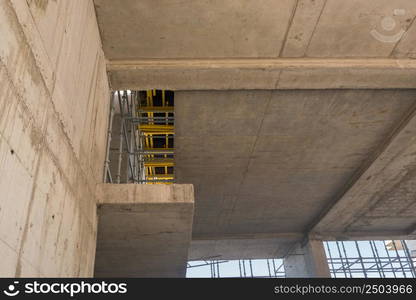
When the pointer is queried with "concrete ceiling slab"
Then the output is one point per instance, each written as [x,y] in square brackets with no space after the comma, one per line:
[263,28]
[298,150]
[266,44]
[358,28]
[171,28]
[381,193]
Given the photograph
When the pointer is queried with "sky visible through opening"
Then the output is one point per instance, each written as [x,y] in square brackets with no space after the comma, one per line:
[350,259]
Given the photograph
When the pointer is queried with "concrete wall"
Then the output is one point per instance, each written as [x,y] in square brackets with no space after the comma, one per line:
[54,111]
[144,230]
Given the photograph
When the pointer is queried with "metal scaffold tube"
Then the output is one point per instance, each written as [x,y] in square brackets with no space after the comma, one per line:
[107,172]
[120,149]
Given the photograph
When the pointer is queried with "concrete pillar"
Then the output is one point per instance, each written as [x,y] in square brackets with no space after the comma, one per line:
[144,230]
[307,261]
[411,245]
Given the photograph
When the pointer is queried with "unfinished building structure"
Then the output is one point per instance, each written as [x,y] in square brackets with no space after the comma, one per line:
[138,135]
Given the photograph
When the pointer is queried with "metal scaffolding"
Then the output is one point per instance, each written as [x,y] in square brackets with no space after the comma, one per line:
[242,268]
[140,138]
[346,259]
[366,259]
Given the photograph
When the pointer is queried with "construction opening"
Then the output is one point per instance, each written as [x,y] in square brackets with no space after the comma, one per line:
[140,139]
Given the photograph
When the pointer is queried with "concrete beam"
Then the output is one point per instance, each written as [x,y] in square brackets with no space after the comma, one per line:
[362,235]
[378,202]
[257,73]
[242,246]
[143,230]
[307,261]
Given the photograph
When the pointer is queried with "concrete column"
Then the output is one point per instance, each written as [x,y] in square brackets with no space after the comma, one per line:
[144,230]
[307,261]
[411,245]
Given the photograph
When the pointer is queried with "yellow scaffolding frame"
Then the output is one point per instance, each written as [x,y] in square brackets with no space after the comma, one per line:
[150,130]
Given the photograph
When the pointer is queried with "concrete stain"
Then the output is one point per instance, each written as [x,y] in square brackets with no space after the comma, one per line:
[41,4]
[18,272]
[24,55]
[36,138]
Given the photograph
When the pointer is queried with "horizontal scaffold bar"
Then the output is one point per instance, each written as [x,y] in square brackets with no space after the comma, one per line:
[156,129]
[155,151]
[158,135]
[159,163]
[160,176]
[147,109]
[157,181]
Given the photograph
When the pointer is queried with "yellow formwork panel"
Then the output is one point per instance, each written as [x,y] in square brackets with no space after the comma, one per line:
[150,109]
[149,130]
[156,128]
[159,163]
[157,149]
[160,176]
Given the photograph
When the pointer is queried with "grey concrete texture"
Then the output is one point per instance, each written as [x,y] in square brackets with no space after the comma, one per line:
[266,44]
[264,28]
[54,110]
[307,261]
[257,73]
[245,246]
[288,158]
[381,193]
[143,230]
[270,162]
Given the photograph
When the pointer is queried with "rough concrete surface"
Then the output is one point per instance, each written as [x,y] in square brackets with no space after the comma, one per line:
[269,162]
[305,261]
[53,119]
[268,74]
[380,199]
[247,246]
[263,28]
[143,230]
[293,118]
[206,45]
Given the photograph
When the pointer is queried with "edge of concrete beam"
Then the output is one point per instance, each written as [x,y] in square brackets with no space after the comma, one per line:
[107,193]
[262,73]
[260,63]
[297,236]
[363,235]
